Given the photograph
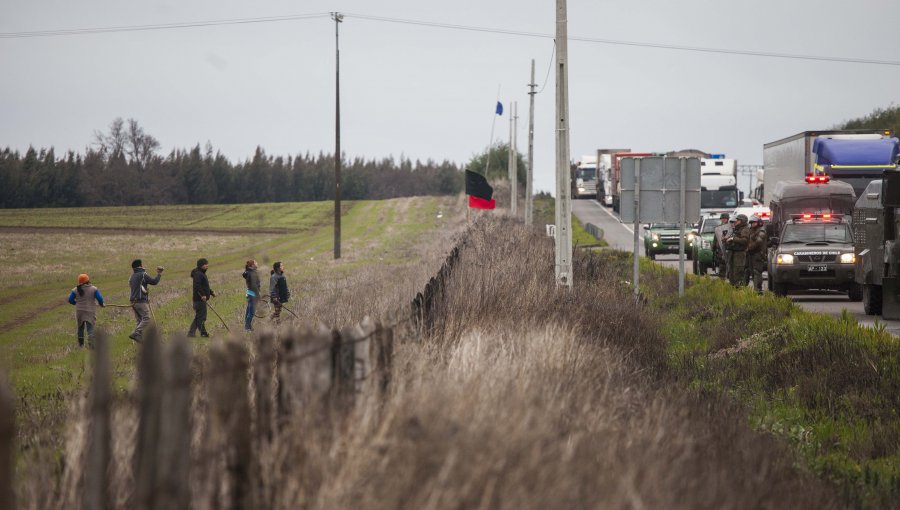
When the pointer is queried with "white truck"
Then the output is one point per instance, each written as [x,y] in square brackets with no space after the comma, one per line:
[605,175]
[718,185]
[853,156]
[584,177]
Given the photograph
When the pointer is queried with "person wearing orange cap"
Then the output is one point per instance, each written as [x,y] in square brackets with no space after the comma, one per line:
[85,297]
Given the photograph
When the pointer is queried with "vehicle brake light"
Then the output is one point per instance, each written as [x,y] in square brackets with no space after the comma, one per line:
[817,179]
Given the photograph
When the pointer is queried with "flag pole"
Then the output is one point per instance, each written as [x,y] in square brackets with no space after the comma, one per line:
[491,144]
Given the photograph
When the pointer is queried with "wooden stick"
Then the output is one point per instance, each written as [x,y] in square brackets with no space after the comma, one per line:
[217,315]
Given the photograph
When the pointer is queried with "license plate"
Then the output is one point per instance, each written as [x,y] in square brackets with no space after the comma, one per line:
[817,269]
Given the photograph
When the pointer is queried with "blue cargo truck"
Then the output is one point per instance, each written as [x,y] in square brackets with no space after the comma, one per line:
[856,157]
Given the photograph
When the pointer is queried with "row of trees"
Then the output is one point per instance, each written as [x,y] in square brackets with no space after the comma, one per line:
[123,167]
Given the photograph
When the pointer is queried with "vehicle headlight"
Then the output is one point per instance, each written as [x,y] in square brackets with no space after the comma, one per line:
[580,189]
[784,259]
[848,258]
[654,236]
[690,237]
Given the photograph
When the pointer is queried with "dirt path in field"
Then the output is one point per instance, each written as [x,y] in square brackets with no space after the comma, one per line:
[148,230]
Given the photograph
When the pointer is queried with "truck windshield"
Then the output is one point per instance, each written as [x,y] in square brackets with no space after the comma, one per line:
[586,173]
[718,199]
[816,233]
[667,226]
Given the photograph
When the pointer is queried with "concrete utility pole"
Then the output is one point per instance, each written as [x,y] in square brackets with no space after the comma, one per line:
[563,188]
[514,154]
[529,200]
[338,18]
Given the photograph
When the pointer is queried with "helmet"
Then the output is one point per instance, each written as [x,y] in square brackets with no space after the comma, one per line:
[83,278]
[754,218]
[742,217]
[724,216]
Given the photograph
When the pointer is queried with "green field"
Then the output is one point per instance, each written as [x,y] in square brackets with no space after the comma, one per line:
[43,251]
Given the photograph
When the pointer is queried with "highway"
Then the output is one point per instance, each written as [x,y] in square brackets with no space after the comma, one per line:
[621,237]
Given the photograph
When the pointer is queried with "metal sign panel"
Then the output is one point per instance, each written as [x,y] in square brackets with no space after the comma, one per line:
[660,189]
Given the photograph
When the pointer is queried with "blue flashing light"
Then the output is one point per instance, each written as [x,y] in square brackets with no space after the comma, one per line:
[716,156]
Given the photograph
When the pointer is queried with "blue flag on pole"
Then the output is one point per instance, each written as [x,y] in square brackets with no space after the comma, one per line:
[499,108]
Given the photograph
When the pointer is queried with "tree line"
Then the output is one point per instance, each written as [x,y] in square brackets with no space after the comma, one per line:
[123,167]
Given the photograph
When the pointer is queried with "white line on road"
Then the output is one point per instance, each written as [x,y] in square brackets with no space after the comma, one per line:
[613,216]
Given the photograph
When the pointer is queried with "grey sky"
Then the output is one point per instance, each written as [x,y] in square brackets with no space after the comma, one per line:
[426,92]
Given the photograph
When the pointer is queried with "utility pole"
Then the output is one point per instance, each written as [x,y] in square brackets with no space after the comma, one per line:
[514,154]
[563,188]
[529,200]
[338,18]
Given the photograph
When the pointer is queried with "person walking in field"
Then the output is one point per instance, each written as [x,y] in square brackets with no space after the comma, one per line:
[251,277]
[278,290]
[200,295]
[85,297]
[140,297]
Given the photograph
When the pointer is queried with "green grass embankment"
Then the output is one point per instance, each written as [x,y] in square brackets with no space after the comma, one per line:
[828,386]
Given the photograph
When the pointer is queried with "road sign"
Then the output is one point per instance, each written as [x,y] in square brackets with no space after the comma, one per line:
[659,189]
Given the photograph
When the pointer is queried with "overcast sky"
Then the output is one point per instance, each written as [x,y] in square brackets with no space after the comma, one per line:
[428,92]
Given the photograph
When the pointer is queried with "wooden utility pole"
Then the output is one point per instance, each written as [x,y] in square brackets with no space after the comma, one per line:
[338,18]
[529,199]
[563,188]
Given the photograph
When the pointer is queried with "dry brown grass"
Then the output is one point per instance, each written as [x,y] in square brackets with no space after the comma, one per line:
[523,396]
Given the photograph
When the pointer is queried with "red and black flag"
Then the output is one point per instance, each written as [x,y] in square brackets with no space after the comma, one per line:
[479,191]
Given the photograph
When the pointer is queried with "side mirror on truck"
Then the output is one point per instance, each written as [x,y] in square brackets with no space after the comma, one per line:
[890,188]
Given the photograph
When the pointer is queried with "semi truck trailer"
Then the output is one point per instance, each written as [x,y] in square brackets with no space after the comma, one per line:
[853,156]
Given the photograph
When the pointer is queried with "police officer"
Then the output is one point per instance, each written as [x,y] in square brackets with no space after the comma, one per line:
[736,245]
[719,258]
[756,252]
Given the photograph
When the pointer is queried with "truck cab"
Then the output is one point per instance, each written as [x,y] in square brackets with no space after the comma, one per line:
[584,178]
[812,238]
[718,185]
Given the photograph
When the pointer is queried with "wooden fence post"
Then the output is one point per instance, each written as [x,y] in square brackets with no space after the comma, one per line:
[96,484]
[230,404]
[174,459]
[381,353]
[7,439]
[148,433]
[305,371]
[362,346]
[262,378]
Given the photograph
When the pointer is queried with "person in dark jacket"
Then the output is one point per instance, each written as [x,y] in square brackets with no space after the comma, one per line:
[140,297]
[85,297]
[200,295]
[252,279]
[278,290]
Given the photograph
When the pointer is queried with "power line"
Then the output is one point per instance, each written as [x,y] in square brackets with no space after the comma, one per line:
[631,43]
[162,26]
[469,28]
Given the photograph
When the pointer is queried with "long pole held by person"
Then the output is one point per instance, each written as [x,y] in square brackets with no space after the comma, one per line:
[498,111]
[563,188]
[338,18]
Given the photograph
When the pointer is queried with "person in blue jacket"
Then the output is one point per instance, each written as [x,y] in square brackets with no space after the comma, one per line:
[85,297]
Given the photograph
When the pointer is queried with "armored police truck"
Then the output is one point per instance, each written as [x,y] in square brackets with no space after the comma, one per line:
[811,237]
[876,222]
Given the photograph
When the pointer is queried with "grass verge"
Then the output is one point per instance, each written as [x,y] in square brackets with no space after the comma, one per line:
[828,386]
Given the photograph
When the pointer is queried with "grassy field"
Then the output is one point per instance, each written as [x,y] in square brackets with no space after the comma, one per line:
[48,249]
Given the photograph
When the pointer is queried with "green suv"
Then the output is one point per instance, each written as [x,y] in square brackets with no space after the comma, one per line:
[662,238]
[702,245]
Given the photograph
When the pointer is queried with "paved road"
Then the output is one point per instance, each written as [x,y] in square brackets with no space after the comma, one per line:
[621,237]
